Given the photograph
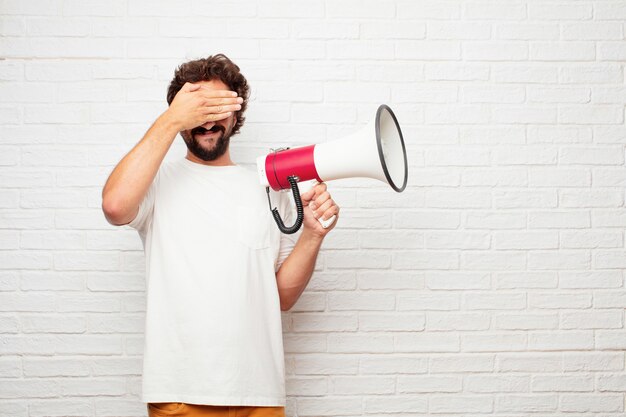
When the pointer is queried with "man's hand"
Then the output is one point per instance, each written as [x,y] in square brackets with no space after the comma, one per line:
[318,204]
[195,105]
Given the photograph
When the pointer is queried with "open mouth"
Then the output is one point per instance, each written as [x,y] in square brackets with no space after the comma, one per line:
[200,131]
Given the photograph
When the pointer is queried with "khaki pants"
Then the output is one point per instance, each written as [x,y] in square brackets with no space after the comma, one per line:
[194,410]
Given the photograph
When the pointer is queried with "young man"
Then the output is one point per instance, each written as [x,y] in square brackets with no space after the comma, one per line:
[218,270]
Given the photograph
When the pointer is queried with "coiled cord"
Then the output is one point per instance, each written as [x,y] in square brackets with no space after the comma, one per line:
[293,182]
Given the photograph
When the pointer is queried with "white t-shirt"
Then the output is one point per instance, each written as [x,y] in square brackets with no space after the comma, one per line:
[213,323]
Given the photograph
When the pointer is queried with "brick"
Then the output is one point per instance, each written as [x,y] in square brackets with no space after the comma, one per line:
[571,259]
[439,260]
[526,240]
[460,404]
[599,197]
[556,341]
[457,280]
[429,9]
[526,279]
[352,385]
[559,95]
[610,10]
[306,386]
[562,51]
[611,51]
[360,343]
[495,11]
[462,363]
[393,364]
[494,220]
[524,73]
[457,321]
[358,50]
[426,342]
[526,31]
[303,322]
[610,340]
[50,324]
[364,301]
[558,177]
[580,239]
[529,362]
[481,260]
[429,302]
[590,279]
[559,300]
[495,51]
[456,240]
[559,134]
[526,403]
[591,114]
[592,403]
[299,343]
[428,50]
[559,11]
[470,199]
[427,220]
[496,383]
[456,72]
[574,219]
[402,29]
[493,342]
[526,321]
[611,383]
[396,404]
[450,30]
[429,384]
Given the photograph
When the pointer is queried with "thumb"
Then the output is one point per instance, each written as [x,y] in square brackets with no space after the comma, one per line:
[306,197]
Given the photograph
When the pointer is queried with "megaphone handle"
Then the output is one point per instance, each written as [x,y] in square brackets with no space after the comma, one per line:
[325,223]
[293,182]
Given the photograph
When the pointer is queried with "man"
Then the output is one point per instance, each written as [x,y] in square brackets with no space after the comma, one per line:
[218,270]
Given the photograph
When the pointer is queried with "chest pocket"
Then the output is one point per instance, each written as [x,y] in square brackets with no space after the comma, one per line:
[253,227]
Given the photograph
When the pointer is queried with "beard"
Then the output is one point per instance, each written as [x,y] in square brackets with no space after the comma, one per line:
[219,147]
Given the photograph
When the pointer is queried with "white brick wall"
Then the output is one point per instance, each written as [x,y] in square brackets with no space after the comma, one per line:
[493,286]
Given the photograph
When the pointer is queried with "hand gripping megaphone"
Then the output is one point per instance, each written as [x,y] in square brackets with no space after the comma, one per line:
[375,151]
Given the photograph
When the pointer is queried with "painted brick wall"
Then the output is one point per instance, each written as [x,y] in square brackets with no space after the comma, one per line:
[493,286]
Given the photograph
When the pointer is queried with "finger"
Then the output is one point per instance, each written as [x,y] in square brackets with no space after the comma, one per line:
[319,188]
[222,109]
[213,117]
[320,199]
[307,196]
[211,99]
[333,211]
[218,93]
[324,207]
[191,87]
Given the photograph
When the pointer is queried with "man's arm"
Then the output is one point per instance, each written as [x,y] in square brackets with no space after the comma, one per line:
[295,272]
[128,183]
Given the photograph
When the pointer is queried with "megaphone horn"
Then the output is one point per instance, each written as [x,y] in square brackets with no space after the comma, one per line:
[375,151]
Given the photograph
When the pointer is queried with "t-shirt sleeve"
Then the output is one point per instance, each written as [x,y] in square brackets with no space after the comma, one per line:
[143,219]
[288,213]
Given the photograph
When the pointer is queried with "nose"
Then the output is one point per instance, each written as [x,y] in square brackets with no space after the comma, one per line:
[208,125]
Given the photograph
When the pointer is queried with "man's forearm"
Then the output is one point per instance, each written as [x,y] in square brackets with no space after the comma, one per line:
[129,181]
[295,272]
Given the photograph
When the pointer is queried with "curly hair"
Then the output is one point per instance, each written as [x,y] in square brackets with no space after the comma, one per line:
[206,69]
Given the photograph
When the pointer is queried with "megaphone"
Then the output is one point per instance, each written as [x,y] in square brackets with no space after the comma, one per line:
[375,151]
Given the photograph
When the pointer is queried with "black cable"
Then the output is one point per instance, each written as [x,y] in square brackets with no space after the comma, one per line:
[293,182]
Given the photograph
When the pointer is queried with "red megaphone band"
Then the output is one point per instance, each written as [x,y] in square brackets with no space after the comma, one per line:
[282,164]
